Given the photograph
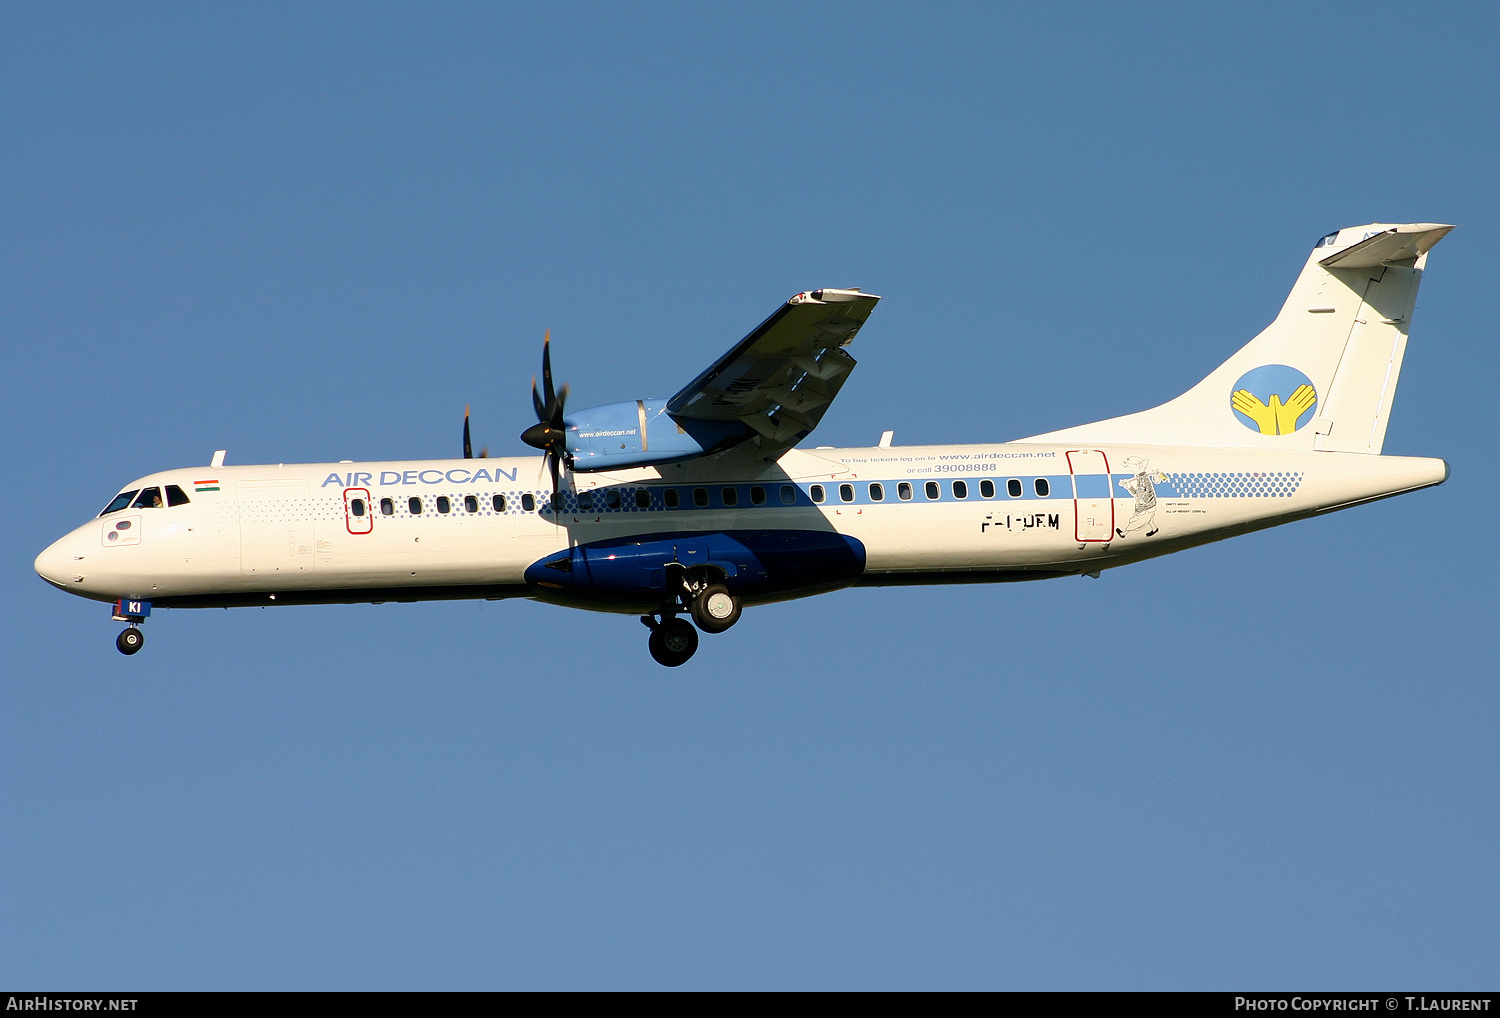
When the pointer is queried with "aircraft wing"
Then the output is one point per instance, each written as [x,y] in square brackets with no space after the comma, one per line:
[779,380]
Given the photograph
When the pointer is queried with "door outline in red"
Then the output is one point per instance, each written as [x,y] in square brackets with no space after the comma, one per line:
[1108,496]
[351,521]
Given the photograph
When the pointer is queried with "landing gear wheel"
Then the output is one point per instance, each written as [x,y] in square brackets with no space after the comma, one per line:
[715,609]
[130,641]
[673,642]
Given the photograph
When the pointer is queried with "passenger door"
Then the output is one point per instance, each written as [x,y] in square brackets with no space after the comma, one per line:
[359,514]
[1093,507]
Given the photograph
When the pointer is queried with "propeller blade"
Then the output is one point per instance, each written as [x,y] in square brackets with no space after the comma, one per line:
[547,367]
[549,433]
[468,449]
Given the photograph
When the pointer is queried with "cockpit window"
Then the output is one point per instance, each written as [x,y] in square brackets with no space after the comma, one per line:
[149,498]
[119,502]
[176,496]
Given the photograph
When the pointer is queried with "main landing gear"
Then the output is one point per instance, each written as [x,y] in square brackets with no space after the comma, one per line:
[715,609]
[712,607]
[672,641]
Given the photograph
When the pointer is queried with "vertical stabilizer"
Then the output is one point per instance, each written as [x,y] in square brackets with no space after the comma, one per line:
[1322,375]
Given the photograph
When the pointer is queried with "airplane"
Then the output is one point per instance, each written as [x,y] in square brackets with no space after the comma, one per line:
[702,504]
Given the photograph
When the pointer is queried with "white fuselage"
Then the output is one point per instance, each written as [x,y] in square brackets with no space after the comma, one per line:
[471,527]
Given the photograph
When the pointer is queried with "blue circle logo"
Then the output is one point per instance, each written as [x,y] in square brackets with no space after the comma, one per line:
[1274,399]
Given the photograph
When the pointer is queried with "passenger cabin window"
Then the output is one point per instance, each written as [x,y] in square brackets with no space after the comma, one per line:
[731,496]
[1013,487]
[443,505]
[788,495]
[528,502]
[986,489]
[877,492]
[757,495]
[700,497]
[1043,489]
[471,504]
[387,507]
[642,498]
[414,506]
[176,496]
[670,499]
[903,491]
[817,493]
[150,498]
[846,493]
[498,504]
[357,506]
[931,490]
[960,489]
[586,501]
[612,498]
[119,502]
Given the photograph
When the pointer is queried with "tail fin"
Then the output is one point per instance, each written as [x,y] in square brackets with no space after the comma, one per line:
[1322,375]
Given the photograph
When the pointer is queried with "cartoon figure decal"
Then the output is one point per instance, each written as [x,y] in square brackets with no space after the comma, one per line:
[1274,399]
[1143,486]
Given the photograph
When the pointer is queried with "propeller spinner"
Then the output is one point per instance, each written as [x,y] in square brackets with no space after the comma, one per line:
[549,433]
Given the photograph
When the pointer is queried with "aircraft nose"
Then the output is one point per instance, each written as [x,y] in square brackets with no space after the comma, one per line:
[58,564]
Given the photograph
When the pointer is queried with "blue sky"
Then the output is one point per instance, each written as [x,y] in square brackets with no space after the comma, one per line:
[310,234]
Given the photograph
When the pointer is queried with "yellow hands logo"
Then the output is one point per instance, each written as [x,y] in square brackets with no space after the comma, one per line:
[1271,416]
[1279,418]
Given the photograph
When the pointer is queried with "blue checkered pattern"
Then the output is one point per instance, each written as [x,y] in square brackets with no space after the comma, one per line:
[1231,485]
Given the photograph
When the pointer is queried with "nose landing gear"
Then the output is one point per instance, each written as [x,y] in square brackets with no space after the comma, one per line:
[130,641]
[134,612]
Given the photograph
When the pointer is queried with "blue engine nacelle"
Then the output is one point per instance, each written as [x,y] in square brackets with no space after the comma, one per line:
[641,433]
[634,573]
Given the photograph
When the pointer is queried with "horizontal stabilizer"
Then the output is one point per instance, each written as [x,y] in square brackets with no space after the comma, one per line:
[1393,246]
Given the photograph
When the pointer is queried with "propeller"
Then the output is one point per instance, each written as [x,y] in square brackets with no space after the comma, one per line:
[549,433]
[469,449]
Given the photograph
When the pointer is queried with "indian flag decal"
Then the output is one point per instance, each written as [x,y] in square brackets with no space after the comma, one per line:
[205,485]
